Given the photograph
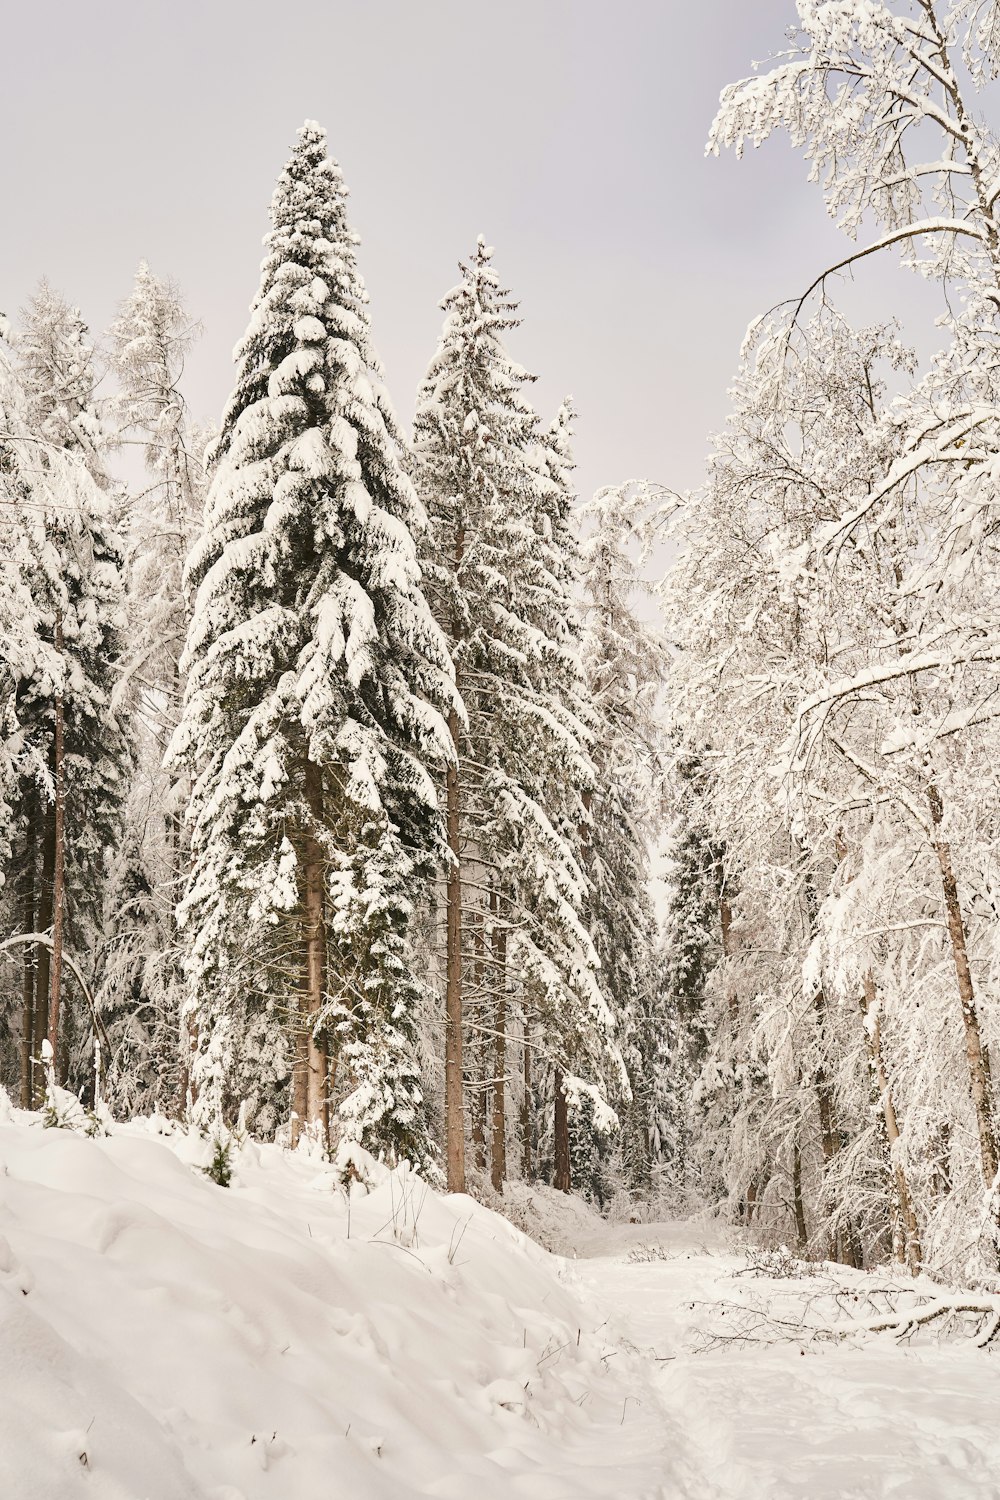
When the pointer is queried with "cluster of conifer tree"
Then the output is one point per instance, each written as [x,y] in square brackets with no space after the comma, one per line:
[331,759]
[324,807]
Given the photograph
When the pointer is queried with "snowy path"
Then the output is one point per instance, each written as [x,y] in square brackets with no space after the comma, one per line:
[162,1338]
[879,1423]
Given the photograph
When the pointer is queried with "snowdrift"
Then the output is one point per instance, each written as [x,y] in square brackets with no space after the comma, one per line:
[314,1330]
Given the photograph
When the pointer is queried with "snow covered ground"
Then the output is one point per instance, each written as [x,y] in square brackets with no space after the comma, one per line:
[164,1338]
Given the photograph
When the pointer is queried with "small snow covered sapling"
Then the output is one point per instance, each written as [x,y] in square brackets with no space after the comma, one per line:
[220,1167]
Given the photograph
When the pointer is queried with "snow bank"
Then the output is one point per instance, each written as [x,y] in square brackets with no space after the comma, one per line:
[299,1334]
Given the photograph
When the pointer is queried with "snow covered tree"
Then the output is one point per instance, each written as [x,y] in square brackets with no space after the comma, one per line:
[500,568]
[625,662]
[23,651]
[317,685]
[73,745]
[58,375]
[852,73]
[824,682]
[150,340]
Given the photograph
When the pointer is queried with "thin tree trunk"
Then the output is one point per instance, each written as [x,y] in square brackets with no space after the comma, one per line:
[498,1137]
[909,1250]
[829,1133]
[28,988]
[300,1070]
[454,1102]
[526,1162]
[475,1054]
[43,963]
[59,868]
[563,1178]
[846,1247]
[980,1083]
[755,1192]
[801,1231]
[189,1045]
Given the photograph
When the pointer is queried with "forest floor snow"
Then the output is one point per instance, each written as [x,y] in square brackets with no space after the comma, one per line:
[304,1336]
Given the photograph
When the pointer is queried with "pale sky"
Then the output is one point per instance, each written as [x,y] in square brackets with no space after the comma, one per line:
[569,132]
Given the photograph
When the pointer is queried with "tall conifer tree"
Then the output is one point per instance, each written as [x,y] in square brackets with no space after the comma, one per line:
[499,568]
[317,688]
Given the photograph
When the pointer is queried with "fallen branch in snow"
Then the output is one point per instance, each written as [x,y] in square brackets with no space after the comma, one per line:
[830,1314]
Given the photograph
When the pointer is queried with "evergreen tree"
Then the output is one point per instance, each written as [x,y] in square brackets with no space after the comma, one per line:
[75,750]
[625,663]
[23,653]
[500,567]
[317,682]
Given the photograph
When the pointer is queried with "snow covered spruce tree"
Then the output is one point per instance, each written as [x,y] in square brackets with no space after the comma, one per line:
[24,653]
[624,663]
[317,689]
[500,567]
[75,746]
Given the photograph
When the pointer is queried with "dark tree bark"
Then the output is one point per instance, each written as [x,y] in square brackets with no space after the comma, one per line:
[801,1231]
[28,983]
[310,1109]
[454,1100]
[563,1177]
[498,1137]
[43,965]
[58,871]
[314,912]
[980,1082]
[526,1154]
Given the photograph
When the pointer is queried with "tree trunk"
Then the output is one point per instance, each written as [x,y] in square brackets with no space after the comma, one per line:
[801,1231]
[59,868]
[909,1249]
[317,1105]
[43,963]
[980,1083]
[498,1137]
[475,1055]
[300,1069]
[28,986]
[563,1178]
[312,886]
[454,1102]
[846,1247]
[526,1162]
[829,1134]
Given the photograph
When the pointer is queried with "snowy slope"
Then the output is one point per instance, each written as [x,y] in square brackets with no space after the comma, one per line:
[164,1337]
[167,1339]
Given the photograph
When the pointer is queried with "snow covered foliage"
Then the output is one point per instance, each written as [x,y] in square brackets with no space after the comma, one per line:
[501,567]
[844,1071]
[142,983]
[625,663]
[71,740]
[840,660]
[317,682]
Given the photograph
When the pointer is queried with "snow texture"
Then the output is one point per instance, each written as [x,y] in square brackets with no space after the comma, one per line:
[342,1330]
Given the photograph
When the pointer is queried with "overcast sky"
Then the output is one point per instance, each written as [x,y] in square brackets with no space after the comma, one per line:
[569,132]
